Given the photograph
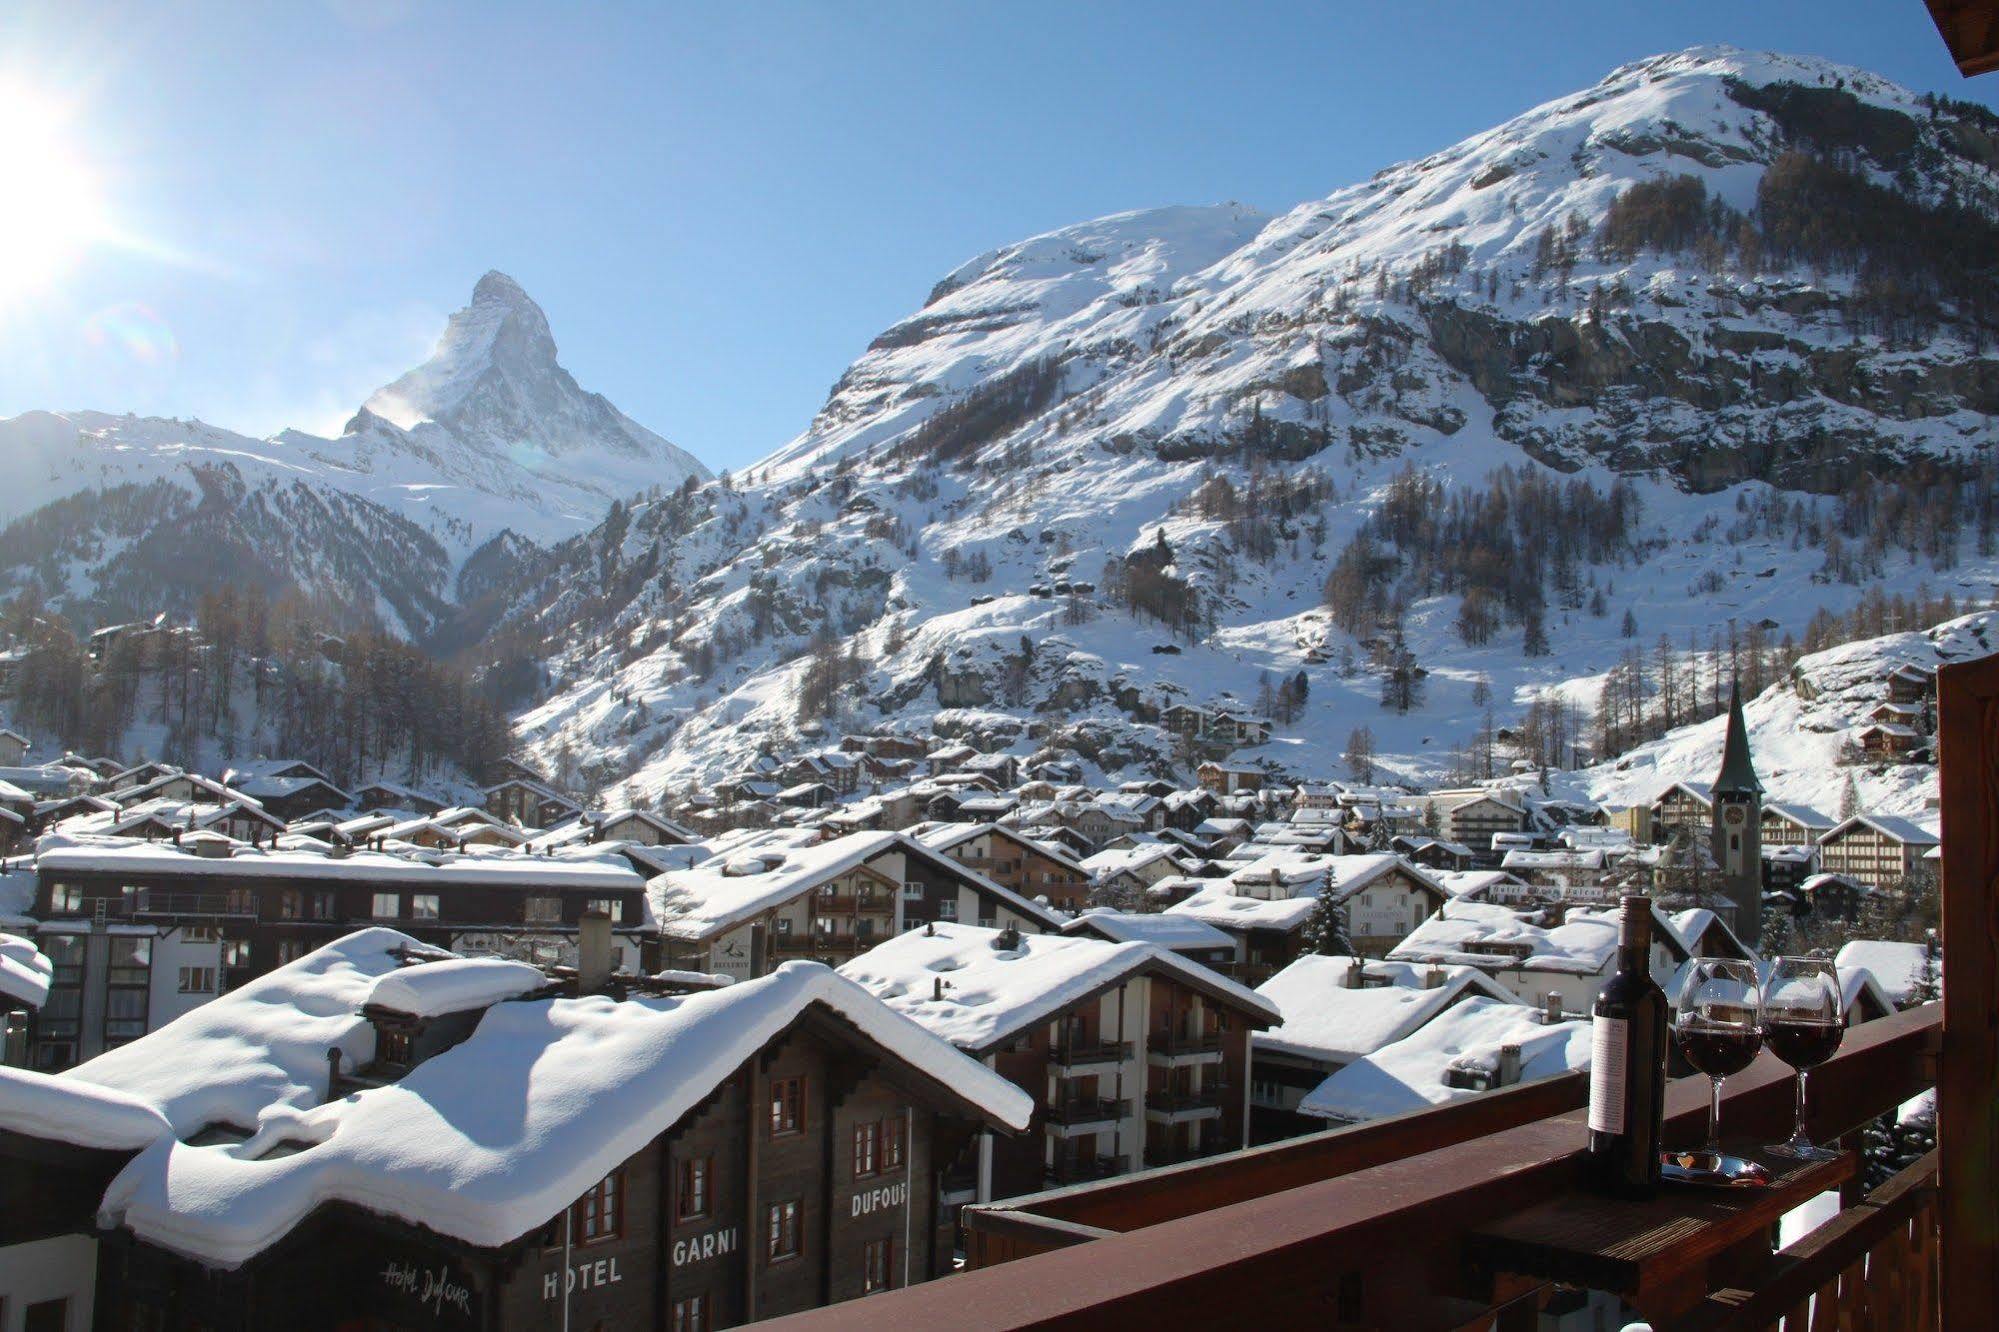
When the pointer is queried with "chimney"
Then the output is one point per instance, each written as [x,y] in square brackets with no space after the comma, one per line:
[1351,978]
[1508,1072]
[1433,979]
[937,987]
[1551,1007]
[14,1050]
[332,1069]
[593,946]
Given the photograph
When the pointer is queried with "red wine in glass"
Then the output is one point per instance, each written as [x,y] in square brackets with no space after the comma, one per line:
[1720,1052]
[1803,1008]
[1803,1045]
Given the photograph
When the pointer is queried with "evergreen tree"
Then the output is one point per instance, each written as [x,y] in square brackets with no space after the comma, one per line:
[1326,930]
[1849,798]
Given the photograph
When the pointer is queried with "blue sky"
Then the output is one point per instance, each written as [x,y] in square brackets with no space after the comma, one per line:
[717,205]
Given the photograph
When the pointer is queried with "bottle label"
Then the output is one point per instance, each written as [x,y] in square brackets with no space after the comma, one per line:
[1608,1045]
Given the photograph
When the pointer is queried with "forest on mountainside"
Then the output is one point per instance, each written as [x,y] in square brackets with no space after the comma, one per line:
[251,676]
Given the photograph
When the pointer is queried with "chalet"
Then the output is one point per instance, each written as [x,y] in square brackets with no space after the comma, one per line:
[832,768]
[1880,850]
[1264,906]
[666,1158]
[287,796]
[143,931]
[1479,1045]
[1236,728]
[1004,769]
[139,774]
[1190,938]
[1337,1010]
[175,785]
[1316,795]
[529,803]
[640,826]
[1032,869]
[763,897]
[1432,853]
[808,795]
[1573,957]
[1104,821]
[1133,869]
[747,789]
[1132,1055]
[1888,740]
[1831,896]
[1559,870]
[13,748]
[1790,824]
[1683,807]
[1230,778]
[1911,684]
[1472,816]
[392,795]
[949,758]
[1186,719]
[1908,973]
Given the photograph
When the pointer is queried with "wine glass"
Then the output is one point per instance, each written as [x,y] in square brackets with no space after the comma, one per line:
[1802,1004]
[1719,1029]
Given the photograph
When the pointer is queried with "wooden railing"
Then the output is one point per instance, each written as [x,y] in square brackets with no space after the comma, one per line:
[1872,1266]
[1367,1226]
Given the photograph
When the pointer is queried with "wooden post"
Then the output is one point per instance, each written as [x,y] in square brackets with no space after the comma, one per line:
[1967,1107]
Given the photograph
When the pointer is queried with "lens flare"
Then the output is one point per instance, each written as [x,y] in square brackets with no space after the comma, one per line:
[53,212]
[133,330]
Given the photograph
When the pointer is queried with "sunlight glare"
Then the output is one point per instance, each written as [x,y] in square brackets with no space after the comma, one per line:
[50,210]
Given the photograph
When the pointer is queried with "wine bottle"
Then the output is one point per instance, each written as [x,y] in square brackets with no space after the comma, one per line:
[1627,1075]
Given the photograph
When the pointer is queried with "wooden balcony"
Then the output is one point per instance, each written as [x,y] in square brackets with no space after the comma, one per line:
[152,904]
[1088,1053]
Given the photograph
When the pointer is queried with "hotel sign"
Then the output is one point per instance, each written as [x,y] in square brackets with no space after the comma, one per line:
[583,1276]
[700,1248]
[874,1200]
[437,1289]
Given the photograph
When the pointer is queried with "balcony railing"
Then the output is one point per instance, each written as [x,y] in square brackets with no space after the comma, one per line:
[1075,1170]
[846,904]
[1092,1052]
[1174,1044]
[1368,1226]
[1086,1110]
[152,902]
[1180,1102]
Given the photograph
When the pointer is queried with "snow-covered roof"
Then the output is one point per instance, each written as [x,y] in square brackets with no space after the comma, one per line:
[1326,1020]
[487,867]
[990,994]
[1411,1073]
[1897,966]
[24,971]
[482,1142]
[1590,858]
[452,985]
[1803,815]
[1226,910]
[944,836]
[1155,927]
[757,874]
[1893,826]
[1480,934]
[1475,883]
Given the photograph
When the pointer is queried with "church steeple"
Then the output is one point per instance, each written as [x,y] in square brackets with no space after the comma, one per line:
[1738,772]
[1736,835]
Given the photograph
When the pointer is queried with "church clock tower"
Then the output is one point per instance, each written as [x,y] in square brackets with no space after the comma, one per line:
[1737,836]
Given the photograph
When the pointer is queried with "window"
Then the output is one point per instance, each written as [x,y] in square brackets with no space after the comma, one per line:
[124,1014]
[197,934]
[988,922]
[867,1150]
[693,1314]
[787,1106]
[392,1047]
[423,906]
[290,904]
[947,910]
[610,906]
[783,925]
[291,950]
[66,897]
[131,960]
[388,906]
[544,910]
[892,1143]
[912,892]
[600,1213]
[197,980]
[695,1173]
[240,902]
[875,1266]
[781,1233]
[321,906]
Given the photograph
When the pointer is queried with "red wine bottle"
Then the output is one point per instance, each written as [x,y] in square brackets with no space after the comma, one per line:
[1627,1075]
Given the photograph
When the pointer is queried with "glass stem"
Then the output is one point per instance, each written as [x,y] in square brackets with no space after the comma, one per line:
[1714,1116]
[1799,1135]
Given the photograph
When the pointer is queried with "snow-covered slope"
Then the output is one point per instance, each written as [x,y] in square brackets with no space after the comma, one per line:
[490,436]
[1611,295]
[1801,727]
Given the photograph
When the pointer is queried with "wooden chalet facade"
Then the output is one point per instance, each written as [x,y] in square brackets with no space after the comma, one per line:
[1016,862]
[1876,850]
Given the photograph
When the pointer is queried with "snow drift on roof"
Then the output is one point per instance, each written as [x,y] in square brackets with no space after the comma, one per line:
[24,971]
[1323,1019]
[454,985]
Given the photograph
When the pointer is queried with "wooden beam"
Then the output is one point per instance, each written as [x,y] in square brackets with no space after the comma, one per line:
[1970,28]
[1967,1110]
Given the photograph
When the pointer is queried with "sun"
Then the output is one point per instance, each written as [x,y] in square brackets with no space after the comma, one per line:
[51,212]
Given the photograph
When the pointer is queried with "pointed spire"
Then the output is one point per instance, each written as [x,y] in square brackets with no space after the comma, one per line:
[1738,773]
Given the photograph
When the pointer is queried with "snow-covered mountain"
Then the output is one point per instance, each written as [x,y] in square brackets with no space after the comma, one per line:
[1726,319]
[490,436]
